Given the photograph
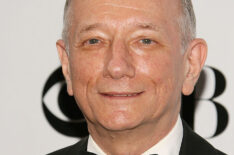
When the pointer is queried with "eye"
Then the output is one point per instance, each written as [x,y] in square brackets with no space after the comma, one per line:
[146,41]
[93,41]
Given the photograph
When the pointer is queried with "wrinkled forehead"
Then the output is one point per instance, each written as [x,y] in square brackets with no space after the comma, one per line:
[167,8]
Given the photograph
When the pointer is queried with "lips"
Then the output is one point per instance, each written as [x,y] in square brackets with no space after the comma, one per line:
[121,94]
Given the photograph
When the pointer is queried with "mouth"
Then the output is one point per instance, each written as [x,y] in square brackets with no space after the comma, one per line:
[121,94]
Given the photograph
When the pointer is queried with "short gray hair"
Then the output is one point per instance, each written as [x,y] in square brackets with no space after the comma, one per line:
[67,21]
[186,22]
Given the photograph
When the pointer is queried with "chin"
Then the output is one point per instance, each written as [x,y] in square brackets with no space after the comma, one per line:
[119,126]
[119,123]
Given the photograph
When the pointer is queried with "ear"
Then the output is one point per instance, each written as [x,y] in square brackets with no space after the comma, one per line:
[195,57]
[64,59]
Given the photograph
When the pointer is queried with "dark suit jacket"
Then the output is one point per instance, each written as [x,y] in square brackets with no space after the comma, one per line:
[192,144]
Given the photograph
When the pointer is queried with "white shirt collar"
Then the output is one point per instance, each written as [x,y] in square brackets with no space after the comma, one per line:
[169,145]
[93,147]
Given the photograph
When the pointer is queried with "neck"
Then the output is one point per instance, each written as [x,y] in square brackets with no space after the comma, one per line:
[132,141]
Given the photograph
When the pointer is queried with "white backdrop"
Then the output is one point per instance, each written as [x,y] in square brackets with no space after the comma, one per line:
[28,32]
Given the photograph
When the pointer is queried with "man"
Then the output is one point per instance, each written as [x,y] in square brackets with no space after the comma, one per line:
[126,62]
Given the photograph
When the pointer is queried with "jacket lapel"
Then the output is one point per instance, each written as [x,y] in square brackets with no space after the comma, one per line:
[80,148]
[193,144]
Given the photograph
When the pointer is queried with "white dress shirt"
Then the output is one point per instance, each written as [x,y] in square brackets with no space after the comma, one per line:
[169,145]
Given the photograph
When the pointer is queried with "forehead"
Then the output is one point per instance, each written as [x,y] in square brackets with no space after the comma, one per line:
[120,10]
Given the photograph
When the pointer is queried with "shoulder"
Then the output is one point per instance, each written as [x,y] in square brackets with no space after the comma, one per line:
[73,149]
[194,144]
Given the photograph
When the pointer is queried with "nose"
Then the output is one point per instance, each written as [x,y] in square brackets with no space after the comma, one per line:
[119,62]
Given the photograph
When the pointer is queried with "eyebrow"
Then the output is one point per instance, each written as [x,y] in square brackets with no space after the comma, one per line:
[90,27]
[149,26]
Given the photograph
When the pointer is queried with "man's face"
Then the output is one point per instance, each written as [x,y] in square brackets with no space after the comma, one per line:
[125,64]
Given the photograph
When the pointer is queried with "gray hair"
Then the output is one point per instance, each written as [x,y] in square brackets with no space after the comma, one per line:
[67,21]
[186,22]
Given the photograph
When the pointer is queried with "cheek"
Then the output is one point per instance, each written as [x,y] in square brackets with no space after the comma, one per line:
[84,67]
[156,67]
[84,72]
[163,72]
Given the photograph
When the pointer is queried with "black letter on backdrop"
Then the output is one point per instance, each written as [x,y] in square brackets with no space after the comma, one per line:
[189,103]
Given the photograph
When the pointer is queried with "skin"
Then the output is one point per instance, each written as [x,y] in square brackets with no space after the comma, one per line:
[126,70]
